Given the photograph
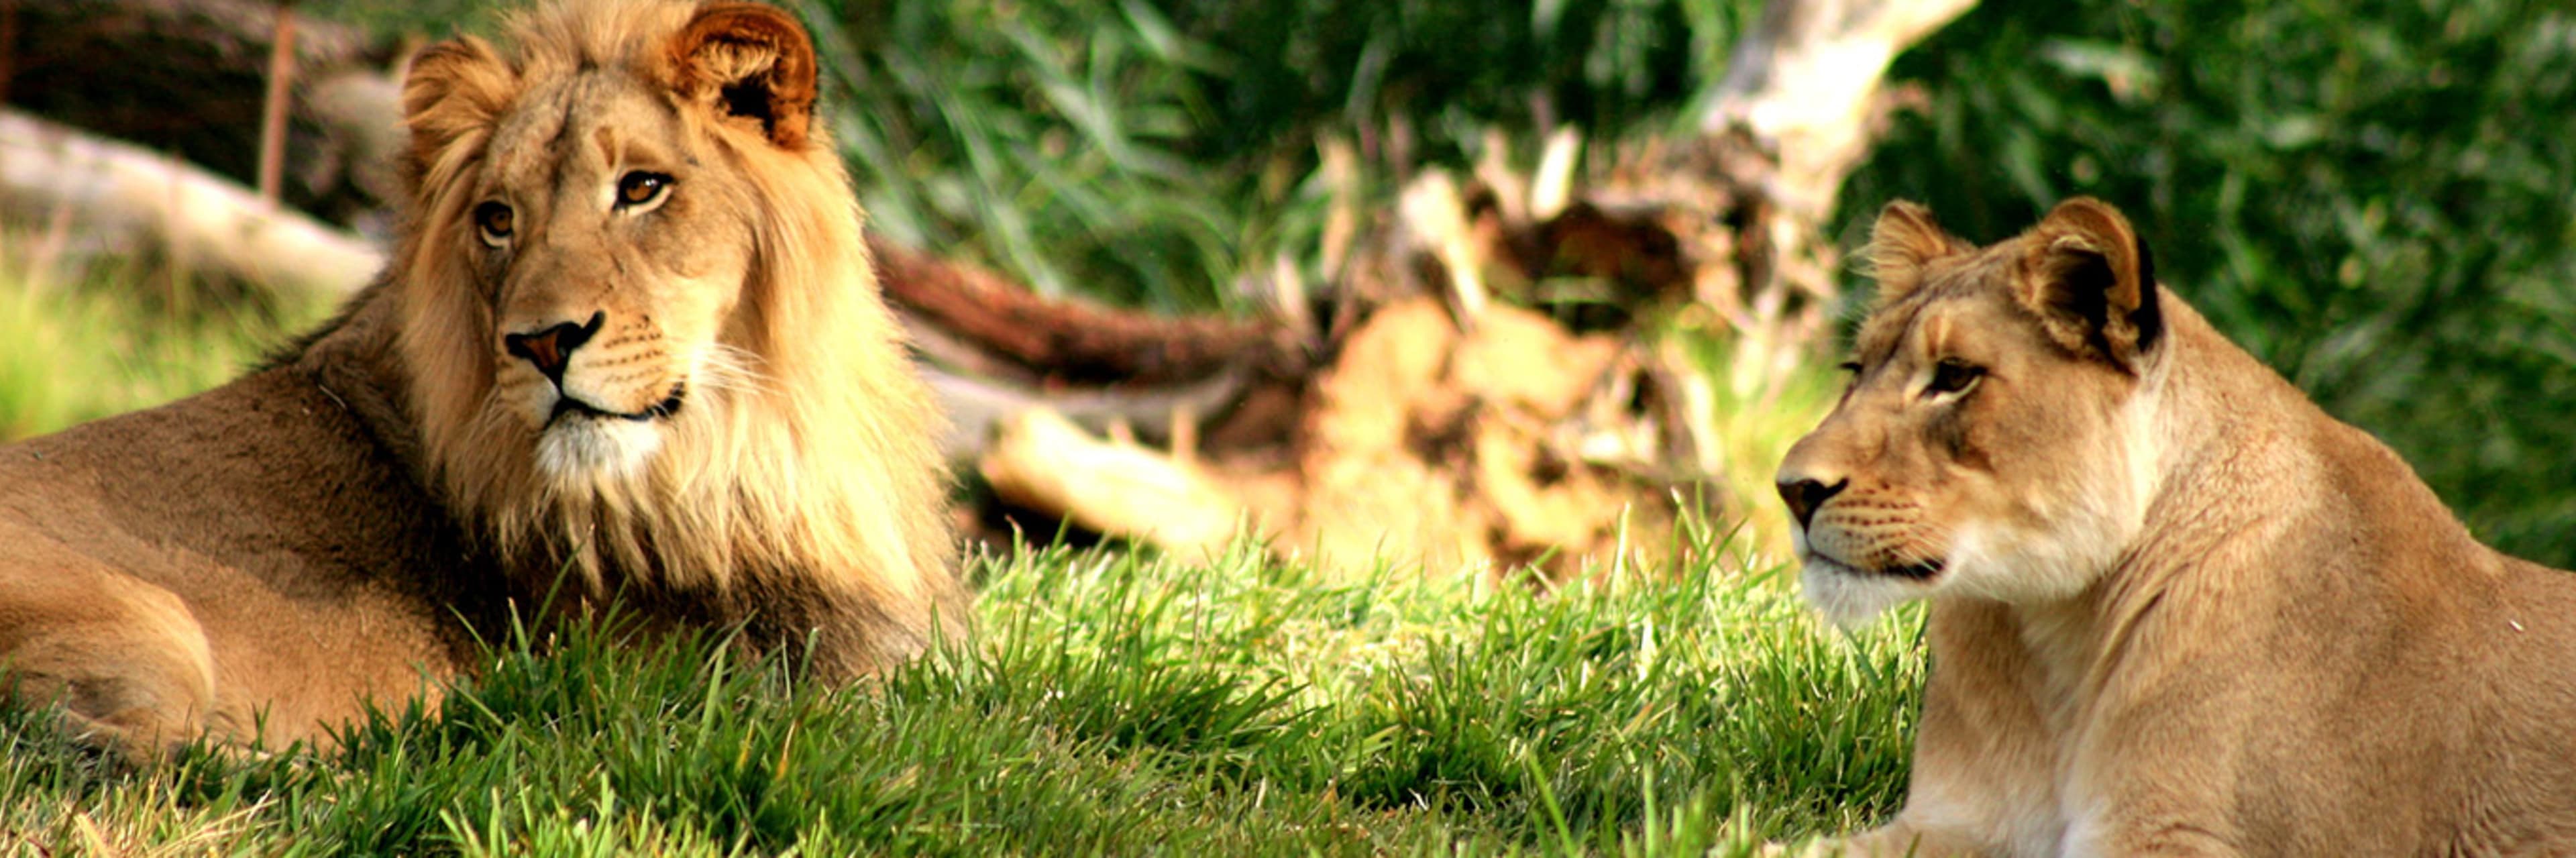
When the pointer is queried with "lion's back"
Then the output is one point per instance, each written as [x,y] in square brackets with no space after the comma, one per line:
[266,511]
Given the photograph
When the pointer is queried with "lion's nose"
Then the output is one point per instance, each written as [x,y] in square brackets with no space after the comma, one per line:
[1804,495]
[550,349]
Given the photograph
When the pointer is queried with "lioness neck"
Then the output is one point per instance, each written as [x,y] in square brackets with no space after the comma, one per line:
[2246,475]
[2243,449]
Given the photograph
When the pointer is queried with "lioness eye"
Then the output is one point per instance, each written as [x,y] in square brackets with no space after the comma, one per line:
[1850,366]
[1950,376]
[494,221]
[639,187]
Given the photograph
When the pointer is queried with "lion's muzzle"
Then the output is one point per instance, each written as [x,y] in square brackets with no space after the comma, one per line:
[550,349]
[567,405]
[1804,494]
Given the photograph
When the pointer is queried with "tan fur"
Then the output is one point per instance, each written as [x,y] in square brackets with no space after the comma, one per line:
[2178,610]
[258,560]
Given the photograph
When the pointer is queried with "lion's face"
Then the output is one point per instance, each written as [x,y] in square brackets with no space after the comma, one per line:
[611,253]
[637,325]
[592,221]
[1994,441]
[637,334]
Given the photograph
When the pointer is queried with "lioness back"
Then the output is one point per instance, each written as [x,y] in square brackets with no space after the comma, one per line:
[2176,609]
[629,348]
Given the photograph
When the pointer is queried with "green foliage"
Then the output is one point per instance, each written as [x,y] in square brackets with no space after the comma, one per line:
[1452,70]
[2373,197]
[1115,705]
[1044,137]
[1149,152]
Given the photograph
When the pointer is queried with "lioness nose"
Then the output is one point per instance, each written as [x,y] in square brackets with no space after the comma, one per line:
[1804,495]
[551,348]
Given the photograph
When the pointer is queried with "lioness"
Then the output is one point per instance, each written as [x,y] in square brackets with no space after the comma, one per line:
[629,347]
[2175,609]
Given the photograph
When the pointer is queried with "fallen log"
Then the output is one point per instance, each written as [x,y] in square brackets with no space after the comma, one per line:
[125,200]
[1067,342]
[191,77]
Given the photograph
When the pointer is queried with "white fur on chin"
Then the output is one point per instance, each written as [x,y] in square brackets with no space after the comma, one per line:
[1849,597]
[578,448]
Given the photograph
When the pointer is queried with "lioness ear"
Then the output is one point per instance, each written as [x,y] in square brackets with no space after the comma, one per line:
[1900,244]
[749,63]
[2092,281]
[455,89]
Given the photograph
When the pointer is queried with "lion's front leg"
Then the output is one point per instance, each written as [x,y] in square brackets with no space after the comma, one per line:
[1893,840]
[1983,781]
[1889,841]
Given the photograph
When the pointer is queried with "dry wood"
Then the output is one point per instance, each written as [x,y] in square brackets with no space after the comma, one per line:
[977,405]
[1805,85]
[273,105]
[1041,460]
[1068,341]
[1422,444]
[1476,433]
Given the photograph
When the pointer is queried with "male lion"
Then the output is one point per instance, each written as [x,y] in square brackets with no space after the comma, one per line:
[629,348]
[2176,609]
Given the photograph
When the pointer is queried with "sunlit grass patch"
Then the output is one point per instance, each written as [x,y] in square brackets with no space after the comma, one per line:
[84,341]
[1114,703]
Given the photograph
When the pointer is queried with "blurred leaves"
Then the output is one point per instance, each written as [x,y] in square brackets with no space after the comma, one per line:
[1148,151]
[2378,198]
[1046,137]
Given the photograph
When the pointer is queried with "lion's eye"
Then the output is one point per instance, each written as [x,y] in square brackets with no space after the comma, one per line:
[494,221]
[1850,366]
[640,187]
[1951,376]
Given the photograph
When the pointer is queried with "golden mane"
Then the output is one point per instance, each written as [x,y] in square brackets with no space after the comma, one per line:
[805,456]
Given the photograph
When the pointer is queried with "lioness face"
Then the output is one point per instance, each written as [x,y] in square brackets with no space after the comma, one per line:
[1994,440]
[612,257]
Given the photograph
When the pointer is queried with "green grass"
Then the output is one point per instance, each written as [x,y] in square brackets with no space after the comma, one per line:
[1114,704]
[79,344]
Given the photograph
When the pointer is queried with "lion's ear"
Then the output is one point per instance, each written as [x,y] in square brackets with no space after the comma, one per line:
[749,63]
[455,89]
[2093,282]
[1905,239]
